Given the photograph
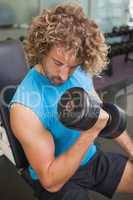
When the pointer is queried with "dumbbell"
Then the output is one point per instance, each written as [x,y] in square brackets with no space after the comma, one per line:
[78,110]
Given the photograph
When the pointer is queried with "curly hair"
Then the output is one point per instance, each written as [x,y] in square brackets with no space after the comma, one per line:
[67,25]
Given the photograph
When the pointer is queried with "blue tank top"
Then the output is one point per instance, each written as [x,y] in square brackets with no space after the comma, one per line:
[41,96]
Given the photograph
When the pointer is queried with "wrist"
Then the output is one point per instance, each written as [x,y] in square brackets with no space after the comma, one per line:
[89,134]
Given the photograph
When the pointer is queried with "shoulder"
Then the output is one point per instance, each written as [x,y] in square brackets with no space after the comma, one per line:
[28,93]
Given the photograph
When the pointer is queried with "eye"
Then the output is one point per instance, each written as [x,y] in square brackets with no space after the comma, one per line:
[57,63]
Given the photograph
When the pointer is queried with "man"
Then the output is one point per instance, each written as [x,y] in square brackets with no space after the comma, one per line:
[65,49]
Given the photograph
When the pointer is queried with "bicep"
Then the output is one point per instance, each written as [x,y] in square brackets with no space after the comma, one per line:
[36,141]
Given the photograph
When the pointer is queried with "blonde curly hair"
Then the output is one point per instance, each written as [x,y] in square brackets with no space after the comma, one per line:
[67,25]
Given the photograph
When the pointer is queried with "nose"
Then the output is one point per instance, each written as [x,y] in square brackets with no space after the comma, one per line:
[64,73]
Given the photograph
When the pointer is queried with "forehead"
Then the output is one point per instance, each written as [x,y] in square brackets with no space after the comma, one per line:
[64,56]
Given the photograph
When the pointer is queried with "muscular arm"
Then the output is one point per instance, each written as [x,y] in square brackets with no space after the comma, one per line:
[39,148]
[126,142]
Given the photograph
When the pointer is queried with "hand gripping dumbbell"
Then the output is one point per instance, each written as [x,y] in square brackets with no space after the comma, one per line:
[78,110]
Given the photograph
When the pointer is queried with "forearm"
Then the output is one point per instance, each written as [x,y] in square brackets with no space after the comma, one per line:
[126,142]
[62,168]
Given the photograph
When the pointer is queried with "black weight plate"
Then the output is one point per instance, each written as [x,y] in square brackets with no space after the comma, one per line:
[118,121]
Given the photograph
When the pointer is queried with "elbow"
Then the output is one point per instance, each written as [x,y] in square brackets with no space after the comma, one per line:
[49,186]
[53,189]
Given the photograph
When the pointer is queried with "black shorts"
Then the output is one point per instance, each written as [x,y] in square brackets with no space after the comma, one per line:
[101,174]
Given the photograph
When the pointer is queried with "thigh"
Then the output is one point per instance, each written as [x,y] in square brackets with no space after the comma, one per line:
[109,168]
[70,191]
[126,183]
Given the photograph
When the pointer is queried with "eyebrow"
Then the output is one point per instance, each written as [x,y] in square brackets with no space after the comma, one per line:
[63,63]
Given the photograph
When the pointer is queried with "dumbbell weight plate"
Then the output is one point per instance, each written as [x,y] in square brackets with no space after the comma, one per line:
[118,121]
[77,109]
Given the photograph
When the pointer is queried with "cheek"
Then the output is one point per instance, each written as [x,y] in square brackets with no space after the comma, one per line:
[53,71]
